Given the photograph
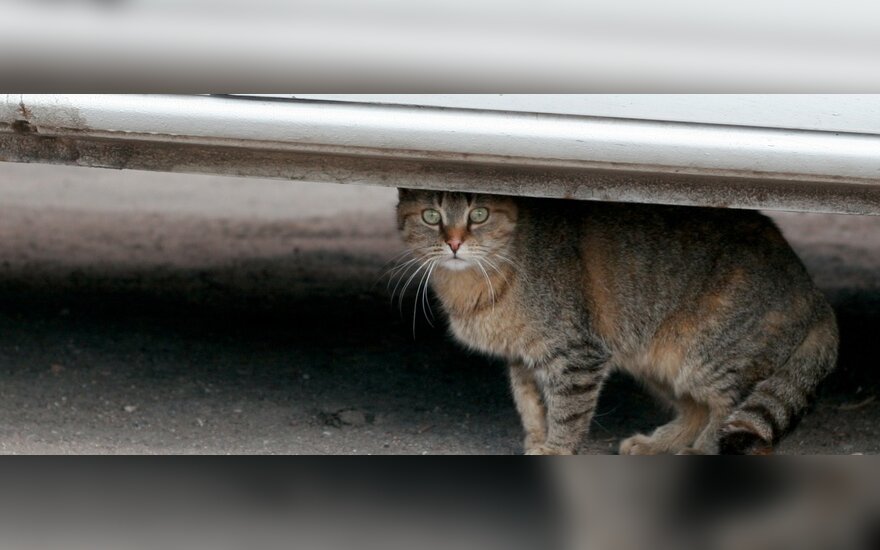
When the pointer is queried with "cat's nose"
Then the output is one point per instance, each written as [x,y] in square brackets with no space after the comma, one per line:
[454,244]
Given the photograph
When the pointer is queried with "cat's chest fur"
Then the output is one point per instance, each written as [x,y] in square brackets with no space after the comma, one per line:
[498,327]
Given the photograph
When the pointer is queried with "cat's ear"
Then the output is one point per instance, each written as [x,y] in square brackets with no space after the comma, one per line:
[403,194]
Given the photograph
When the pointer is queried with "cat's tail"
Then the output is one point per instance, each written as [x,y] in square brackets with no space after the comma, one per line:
[776,403]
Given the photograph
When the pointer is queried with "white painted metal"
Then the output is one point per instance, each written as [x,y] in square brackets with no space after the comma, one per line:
[824,112]
[511,138]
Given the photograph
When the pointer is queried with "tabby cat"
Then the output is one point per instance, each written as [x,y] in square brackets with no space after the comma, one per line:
[709,308]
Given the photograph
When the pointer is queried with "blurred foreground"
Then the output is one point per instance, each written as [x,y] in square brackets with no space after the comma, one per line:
[582,503]
[382,45]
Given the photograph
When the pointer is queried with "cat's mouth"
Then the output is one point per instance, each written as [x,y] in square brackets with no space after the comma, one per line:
[455,263]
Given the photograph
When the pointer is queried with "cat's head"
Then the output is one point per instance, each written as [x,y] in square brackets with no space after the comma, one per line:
[458,230]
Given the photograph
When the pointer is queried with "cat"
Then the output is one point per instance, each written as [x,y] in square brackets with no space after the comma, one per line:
[710,309]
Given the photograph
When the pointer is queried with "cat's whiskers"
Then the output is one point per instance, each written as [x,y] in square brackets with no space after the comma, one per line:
[403,270]
[400,271]
[495,267]
[399,258]
[401,275]
[480,254]
[508,260]
[425,263]
[400,255]
[425,300]
[393,271]
[397,270]
[423,283]
[488,282]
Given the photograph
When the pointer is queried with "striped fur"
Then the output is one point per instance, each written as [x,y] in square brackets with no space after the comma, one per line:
[711,309]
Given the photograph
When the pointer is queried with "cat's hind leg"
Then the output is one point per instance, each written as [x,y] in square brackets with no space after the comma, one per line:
[529,404]
[671,438]
[773,406]
[754,424]
[706,442]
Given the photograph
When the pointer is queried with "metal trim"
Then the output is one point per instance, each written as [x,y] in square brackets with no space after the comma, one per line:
[490,151]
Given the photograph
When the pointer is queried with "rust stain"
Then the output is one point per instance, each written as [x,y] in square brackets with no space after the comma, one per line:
[25,112]
[23,127]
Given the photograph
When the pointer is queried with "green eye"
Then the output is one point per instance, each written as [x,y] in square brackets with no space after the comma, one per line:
[431,216]
[479,215]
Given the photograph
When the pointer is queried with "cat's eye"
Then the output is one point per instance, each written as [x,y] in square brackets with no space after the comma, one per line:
[479,215]
[431,216]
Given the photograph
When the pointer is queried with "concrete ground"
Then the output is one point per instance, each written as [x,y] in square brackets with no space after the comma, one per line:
[155,313]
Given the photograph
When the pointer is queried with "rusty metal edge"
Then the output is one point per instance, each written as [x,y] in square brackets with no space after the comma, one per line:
[553,182]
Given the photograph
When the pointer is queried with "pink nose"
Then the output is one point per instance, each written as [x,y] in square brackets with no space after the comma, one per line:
[454,244]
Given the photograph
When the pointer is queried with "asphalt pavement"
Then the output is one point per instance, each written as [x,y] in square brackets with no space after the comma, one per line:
[156,313]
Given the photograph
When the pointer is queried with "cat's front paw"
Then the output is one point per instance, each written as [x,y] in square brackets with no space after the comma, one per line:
[533,441]
[639,444]
[546,450]
[690,451]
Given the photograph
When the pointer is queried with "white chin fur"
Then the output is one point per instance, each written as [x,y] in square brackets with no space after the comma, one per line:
[455,264]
